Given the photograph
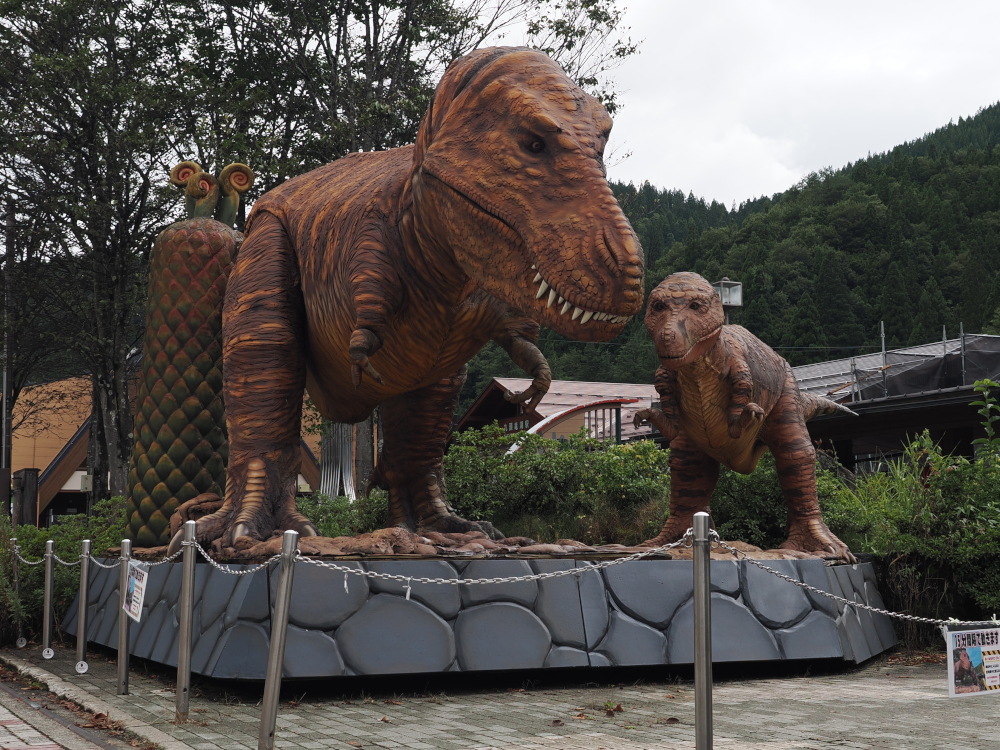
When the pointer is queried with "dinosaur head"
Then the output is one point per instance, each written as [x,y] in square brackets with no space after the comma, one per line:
[684,317]
[509,180]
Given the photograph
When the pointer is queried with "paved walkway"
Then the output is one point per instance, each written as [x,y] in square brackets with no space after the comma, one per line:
[26,723]
[882,705]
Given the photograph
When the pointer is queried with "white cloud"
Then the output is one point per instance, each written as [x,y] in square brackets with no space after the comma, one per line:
[733,99]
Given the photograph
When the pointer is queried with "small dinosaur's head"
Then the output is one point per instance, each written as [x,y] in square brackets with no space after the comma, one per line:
[684,317]
[509,179]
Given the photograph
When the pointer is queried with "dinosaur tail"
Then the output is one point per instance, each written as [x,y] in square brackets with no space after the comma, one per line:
[813,406]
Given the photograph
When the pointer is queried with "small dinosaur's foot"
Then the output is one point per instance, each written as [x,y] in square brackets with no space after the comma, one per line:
[675,528]
[814,538]
[454,524]
[235,523]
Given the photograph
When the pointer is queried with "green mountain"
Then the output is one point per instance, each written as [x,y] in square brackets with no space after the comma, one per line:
[910,237]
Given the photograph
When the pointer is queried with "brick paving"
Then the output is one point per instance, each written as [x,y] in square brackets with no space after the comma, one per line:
[879,705]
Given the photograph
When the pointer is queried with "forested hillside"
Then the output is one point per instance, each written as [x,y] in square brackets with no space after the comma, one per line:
[910,237]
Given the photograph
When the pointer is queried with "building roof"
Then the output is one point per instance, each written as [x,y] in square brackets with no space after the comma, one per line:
[568,394]
[862,376]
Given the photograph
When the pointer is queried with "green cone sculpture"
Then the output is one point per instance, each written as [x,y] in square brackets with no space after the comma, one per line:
[180,446]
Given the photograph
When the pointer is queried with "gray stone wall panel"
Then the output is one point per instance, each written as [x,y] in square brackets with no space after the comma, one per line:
[517,638]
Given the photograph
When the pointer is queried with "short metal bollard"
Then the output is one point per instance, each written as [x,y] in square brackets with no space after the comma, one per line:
[186,616]
[123,618]
[15,572]
[702,633]
[47,652]
[276,652]
[81,612]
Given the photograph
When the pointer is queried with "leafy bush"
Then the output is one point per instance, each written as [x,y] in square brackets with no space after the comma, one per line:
[22,610]
[547,489]
[750,507]
[338,516]
[934,521]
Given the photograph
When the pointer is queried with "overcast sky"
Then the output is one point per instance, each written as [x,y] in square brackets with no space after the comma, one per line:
[733,99]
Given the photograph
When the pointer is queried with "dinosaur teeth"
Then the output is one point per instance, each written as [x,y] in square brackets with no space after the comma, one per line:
[579,313]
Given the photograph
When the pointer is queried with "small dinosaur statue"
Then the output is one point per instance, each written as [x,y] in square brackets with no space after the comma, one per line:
[373,280]
[725,398]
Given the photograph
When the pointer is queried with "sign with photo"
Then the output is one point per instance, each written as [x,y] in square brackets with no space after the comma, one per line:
[136,590]
[973,662]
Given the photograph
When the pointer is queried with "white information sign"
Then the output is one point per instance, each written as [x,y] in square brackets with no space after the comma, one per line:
[973,662]
[136,590]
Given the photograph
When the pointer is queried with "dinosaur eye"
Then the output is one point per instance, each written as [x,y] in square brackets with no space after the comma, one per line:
[536,146]
[696,305]
[658,305]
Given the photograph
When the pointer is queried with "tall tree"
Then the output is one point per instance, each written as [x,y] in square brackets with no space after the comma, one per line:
[85,99]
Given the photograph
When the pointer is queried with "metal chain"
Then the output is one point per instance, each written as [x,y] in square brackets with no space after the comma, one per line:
[153,564]
[508,579]
[17,554]
[801,584]
[216,565]
[99,564]
[63,562]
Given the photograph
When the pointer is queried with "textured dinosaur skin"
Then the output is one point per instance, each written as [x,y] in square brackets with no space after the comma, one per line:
[180,434]
[725,398]
[373,280]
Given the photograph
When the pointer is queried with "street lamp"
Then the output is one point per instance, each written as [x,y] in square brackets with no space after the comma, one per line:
[730,292]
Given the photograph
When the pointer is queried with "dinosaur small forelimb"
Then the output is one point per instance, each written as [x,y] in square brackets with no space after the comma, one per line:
[749,416]
[656,417]
[364,343]
[533,394]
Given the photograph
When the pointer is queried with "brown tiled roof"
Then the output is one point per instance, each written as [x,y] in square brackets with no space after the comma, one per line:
[565,394]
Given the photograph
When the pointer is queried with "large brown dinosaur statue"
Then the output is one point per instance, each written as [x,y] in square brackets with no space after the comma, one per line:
[373,280]
[725,398]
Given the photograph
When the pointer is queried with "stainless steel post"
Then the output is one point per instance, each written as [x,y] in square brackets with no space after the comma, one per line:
[702,633]
[47,651]
[15,570]
[186,615]
[123,618]
[276,650]
[81,611]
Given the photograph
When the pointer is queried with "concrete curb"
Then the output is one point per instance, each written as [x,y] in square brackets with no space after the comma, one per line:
[82,698]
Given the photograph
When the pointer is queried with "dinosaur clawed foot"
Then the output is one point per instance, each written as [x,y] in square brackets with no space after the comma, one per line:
[675,528]
[234,523]
[813,538]
[453,524]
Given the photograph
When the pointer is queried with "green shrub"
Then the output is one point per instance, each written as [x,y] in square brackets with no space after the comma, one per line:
[338,516]
[933,520]
[579,488]
[22,611]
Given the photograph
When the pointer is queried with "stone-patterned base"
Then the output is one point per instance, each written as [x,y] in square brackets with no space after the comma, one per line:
[637,613]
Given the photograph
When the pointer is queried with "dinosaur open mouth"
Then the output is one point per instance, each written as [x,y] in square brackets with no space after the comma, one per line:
[556,299]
